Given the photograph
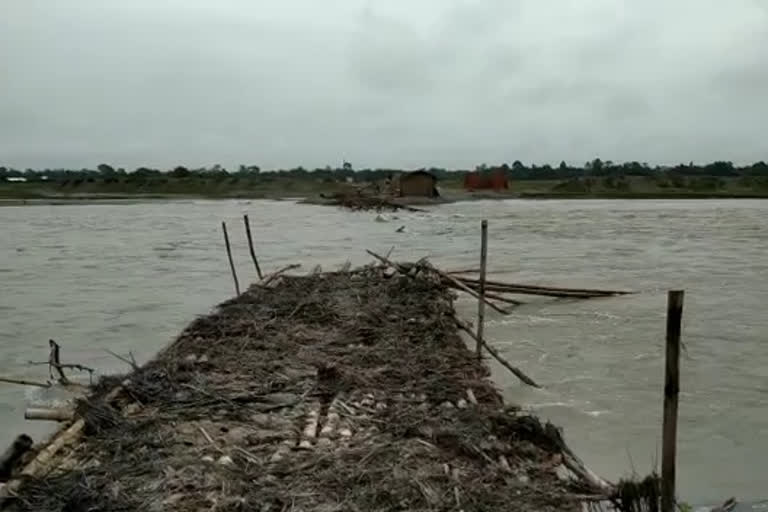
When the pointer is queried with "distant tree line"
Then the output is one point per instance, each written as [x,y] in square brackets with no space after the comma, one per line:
[516,171]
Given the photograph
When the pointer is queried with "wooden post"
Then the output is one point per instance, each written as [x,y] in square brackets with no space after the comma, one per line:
[481,300]
[250,246]
[229,255]
[671,392]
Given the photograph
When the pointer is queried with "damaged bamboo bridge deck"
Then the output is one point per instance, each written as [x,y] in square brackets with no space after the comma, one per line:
[347,390]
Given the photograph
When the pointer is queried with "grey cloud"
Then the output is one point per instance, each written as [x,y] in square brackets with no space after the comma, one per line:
[443,82]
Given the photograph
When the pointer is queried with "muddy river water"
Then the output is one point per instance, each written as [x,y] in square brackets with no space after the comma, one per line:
[130,276]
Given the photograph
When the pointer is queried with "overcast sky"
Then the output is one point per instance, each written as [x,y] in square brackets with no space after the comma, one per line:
[381,83]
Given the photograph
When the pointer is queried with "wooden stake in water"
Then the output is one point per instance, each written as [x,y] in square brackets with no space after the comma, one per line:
[481,301]
[250,246]
[671,392]
[229,255]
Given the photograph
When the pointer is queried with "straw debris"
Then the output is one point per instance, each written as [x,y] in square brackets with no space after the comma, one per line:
[333,391]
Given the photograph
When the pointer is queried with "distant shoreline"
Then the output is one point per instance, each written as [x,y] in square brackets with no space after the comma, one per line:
[449,198]
[311,191]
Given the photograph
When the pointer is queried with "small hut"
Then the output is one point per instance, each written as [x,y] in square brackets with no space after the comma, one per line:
[495,180]
[418,183]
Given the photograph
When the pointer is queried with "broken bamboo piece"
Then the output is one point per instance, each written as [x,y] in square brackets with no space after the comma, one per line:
[44,456]
[49,414]
[250,246]
[516,371]
[482,299]
[229,256]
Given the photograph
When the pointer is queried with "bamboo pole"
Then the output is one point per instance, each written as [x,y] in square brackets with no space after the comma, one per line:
[481,299]
[229,255]
[533,287]
[23,382]
[516,371]
[475,285]
[250,246]
[671,392]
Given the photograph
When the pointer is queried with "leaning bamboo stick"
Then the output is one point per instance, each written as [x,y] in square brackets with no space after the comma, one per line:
[250,246]
[544,293]
[229,256]
[516,371]
[538,291]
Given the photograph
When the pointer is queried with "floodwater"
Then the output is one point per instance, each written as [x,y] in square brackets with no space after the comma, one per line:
[128,277]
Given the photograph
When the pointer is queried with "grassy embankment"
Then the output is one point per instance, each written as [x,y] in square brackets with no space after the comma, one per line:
[265,186]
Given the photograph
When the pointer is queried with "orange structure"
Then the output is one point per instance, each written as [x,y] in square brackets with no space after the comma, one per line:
[495,180]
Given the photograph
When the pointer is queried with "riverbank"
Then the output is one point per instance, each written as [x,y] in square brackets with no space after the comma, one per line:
[339,390]
[313,191]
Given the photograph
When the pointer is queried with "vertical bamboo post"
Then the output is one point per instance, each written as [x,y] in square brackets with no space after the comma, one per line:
[229,255]
[671,392]
[481,299]
[250,246]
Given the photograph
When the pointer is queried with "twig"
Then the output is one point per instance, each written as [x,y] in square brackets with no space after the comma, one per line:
[206,435]
[131,362]
[68,366]
[400,268]
[727,506]
[55,362]
[516,371]
[273,275]
[247,455]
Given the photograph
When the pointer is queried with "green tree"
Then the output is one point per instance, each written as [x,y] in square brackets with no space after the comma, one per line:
[180,172]
[106,169]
